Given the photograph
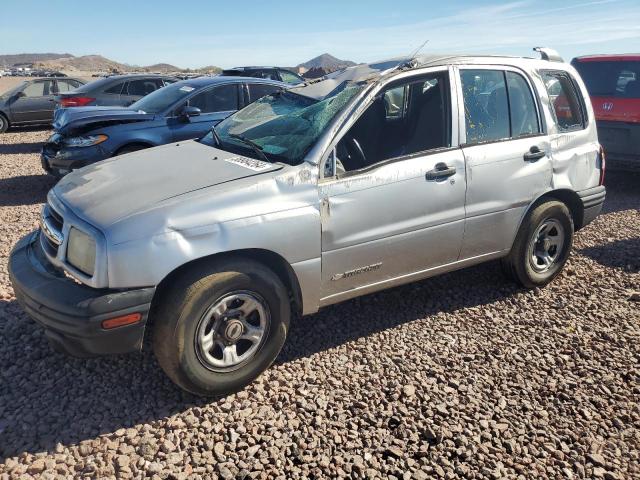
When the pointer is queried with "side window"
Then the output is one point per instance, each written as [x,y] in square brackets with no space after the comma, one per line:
[289,77]
[218,99]
[115,89]
[394,102]
[524,117]
[409,117]
[565,100]
[141,87]
[486,108]
[66,85]
[267,73]
[259,90]
[39,89]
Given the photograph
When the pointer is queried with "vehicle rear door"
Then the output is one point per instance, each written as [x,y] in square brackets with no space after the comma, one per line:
[507,155]
[37,103]
[394,209]
[215,104]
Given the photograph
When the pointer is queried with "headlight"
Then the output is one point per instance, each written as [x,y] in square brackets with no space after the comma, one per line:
[81,251]
[86,141]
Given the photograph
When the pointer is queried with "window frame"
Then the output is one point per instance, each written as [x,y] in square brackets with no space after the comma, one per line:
[174,110]
[365,102]
[462,125]
[247,88]
[579,95]
[122,84]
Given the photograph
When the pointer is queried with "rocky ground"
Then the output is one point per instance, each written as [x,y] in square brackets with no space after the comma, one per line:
[464,375]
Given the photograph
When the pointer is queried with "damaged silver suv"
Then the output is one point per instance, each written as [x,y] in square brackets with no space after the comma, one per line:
[371,177]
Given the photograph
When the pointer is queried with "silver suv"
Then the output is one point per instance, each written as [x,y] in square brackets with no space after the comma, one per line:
[371,177]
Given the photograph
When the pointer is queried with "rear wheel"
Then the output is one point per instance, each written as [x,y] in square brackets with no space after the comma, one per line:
[4,123]
[542,245]
[221,326]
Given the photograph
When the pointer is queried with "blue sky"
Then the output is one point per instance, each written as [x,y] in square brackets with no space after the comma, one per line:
[192,33]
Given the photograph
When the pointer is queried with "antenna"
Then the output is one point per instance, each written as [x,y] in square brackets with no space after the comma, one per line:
[418,49]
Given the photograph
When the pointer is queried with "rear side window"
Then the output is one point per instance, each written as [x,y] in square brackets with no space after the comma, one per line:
[565,100]
[141,88]
[115,89]
[522,106]
[219,99]
[290,77]
[259,90]
[610,79]
[486,107]
[498,105]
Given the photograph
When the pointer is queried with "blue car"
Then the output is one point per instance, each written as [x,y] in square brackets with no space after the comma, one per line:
[180,111]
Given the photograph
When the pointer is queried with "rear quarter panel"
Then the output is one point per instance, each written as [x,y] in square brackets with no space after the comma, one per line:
[574,153]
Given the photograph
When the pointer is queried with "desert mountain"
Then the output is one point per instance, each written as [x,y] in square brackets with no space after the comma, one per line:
[326,62]
[19,58]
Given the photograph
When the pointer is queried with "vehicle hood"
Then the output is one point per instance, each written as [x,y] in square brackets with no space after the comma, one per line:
[82,119]
[108,191]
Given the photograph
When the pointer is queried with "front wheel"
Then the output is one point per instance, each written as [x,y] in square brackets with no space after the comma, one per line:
[4,123]
[542,245]
[221,326]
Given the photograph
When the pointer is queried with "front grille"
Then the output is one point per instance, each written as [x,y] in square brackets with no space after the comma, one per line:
[51,223]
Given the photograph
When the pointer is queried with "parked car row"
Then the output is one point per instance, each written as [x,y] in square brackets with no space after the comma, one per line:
[372,177]
[181,111]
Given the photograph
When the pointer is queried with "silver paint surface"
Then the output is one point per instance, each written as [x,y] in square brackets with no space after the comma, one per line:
[155,210]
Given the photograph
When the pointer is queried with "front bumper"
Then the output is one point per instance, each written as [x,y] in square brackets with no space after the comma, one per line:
[59,160]
[592,202]
[72,313]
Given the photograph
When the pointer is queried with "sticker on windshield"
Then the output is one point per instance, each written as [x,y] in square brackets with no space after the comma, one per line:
[187,89]
[256,165]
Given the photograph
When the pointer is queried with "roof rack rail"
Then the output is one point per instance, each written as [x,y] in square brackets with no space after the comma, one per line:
[548,54]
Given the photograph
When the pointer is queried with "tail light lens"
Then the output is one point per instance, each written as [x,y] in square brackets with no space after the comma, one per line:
[75,101]
[602,160]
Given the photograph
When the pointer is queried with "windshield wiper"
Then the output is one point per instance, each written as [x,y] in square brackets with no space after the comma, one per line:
[216,137]
[254,146]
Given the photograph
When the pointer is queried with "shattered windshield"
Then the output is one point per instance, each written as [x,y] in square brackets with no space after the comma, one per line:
[282,126]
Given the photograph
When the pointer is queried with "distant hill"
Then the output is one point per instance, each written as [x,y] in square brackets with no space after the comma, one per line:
[10,60]
[87,63]
[326,62]
[162,68]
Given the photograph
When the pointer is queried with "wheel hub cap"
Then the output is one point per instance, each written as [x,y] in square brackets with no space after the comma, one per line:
[546,245]
[232,330]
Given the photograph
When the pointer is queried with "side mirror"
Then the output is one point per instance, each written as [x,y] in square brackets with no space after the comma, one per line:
[189,111]
[19,94]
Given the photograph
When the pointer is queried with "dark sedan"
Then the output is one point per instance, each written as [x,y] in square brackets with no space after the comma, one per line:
[32,101]
[181,111]
[117,90]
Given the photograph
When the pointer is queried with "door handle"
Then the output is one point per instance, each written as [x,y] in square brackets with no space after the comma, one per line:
[534,154]
[441,170]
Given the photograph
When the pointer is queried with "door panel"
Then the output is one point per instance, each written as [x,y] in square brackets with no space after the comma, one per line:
[37,106]
[391,222]
[507,155]
[500,186]
[194,127]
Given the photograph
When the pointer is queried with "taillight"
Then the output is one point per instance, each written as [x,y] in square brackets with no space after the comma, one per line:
[603,164]
[75,101]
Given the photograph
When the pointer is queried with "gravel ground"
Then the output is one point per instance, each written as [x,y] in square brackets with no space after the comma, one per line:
[463,375]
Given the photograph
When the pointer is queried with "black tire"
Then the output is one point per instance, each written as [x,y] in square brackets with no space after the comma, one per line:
[521,264]
[129,149]
[183,308]
[4,123]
